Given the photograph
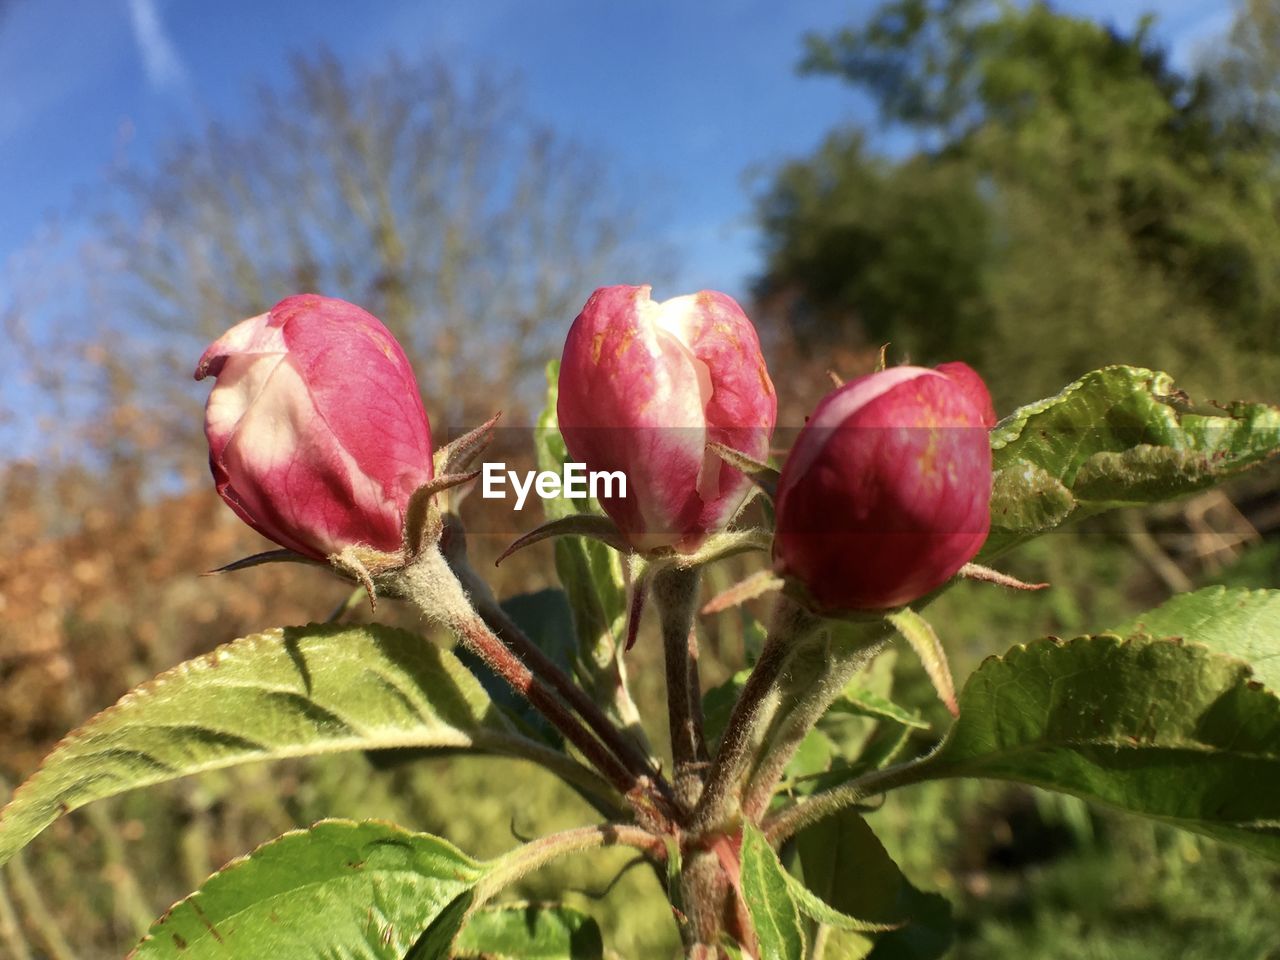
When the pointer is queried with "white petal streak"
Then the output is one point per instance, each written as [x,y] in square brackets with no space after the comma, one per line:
[284,451]
[676,317]
[274,408]
[253,336]
[240,385]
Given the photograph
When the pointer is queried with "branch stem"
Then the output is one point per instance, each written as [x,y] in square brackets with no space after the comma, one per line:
[476,635]
[791,623]
[430,584]
[804,707]
[631,754]
[675,592]
[510,867]
[787,823]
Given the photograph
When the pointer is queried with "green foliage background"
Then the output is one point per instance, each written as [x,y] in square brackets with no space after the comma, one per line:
[1070,199]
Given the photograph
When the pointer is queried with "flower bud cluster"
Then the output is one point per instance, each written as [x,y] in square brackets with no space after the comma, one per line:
[318,439]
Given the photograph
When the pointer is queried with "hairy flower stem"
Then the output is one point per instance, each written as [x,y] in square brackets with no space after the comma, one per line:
[430,584]
[791,624]
[510,867]
[714,905]
[806,697]
[632,754]
[675,592]
[623,747]
[705,895]
[785,824]
[695,701]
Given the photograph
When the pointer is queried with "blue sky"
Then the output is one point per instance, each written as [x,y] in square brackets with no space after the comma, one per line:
[686,96]
[682,98]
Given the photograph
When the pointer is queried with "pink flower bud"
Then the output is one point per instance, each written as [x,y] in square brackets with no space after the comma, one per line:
[644,387]
[317,435]
[886,493]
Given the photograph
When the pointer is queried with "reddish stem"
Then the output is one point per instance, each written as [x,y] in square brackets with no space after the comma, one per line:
[481,641]
[430,583]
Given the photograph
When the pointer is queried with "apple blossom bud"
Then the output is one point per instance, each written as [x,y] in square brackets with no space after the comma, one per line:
[644,387]
[317,435]
[886,492]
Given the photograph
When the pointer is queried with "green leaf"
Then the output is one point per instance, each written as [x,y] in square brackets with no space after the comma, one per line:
[338,889]
[916,630]
[1025,502]
[1154,727]
[717,706]
[927,936]
[880,748]
[551,451]
[815,908]
[1120,436]
[529,932]
[437,942]
[545,616]
[765,888]
[868,704]
[776,899]
[842,862]
[812,757]
[1242,623]
[885,746]
[866,732]
[857,717]
[590,572]
[754,636]
[285,693]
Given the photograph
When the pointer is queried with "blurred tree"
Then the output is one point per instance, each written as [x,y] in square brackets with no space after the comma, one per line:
[1249,66]
[421,193]
[1072,201]
[864,248]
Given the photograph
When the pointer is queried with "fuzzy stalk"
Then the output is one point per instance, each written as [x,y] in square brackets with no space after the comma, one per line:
[791,623]
[781,826]
[622,746]
[807,697]
[511,867]
[631,754]
[430,584]
[705,896]
[587,782]
[675,592]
